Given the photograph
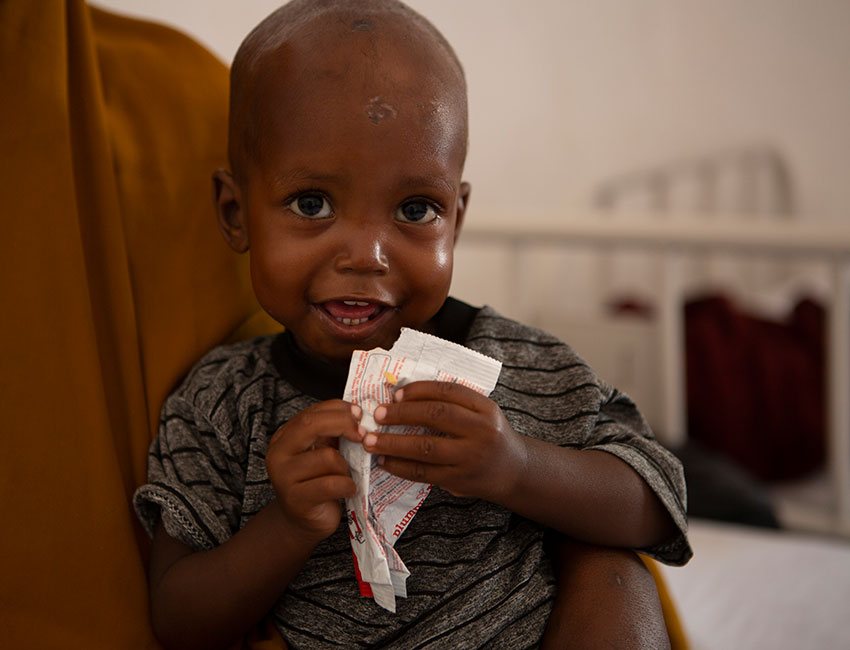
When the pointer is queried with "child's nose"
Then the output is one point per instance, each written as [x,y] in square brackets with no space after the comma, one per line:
[362,252]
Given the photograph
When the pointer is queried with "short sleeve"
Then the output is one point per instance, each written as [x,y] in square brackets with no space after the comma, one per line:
[622,431]
[549,392]
[195,477]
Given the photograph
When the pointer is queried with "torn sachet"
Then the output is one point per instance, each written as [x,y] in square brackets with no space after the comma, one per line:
[385,504]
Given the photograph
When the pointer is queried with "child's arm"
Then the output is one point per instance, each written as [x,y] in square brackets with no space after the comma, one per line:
[588,495]
[211,599]
[606,599]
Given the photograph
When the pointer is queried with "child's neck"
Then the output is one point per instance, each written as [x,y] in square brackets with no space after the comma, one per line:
[312,376]
[324,380]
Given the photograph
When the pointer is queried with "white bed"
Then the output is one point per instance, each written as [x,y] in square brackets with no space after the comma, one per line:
[752,589]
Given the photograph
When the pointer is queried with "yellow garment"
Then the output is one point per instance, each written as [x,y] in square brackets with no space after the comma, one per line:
[115,280]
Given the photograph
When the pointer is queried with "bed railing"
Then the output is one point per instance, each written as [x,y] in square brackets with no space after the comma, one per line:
[672,242]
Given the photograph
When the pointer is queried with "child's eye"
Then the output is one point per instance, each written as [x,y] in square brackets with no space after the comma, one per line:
[312,206]
[416,212]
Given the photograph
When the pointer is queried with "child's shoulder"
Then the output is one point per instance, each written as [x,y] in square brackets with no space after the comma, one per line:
[528,354]
[500,336]
[233,363]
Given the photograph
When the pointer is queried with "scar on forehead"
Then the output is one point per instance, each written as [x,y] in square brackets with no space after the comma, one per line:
[377,110]
[362,25]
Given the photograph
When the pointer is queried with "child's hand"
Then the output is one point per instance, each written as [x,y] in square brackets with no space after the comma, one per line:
[307,471]
[480,455]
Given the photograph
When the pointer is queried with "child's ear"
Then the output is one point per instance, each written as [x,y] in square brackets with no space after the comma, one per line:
[228,209]
[462,203]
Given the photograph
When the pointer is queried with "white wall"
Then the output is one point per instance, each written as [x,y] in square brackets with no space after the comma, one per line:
[564,94]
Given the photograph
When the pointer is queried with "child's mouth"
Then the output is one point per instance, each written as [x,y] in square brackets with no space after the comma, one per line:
[352,312]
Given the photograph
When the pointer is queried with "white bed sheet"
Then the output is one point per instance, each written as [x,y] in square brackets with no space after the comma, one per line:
[753,589]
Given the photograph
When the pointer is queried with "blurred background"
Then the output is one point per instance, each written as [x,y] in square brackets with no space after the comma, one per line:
[565,95]
[664,185]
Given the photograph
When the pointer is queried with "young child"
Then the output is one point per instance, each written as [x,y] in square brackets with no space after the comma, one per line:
[348,136]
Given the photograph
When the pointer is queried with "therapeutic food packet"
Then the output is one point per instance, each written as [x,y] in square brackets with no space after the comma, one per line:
[385,504]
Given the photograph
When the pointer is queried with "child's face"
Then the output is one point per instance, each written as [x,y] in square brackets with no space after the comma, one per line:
[352,207]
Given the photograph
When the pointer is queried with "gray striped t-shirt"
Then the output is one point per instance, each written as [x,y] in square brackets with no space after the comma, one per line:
[480,575]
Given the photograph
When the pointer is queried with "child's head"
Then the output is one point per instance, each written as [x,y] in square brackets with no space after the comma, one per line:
[348,134]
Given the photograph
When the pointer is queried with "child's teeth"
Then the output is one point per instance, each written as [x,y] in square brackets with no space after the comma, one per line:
[360,304]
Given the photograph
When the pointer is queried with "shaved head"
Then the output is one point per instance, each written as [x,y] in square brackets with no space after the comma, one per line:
[382,43]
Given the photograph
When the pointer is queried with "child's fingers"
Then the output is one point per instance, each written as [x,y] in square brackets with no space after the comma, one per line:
[308,465]
[446,417]
[416,471]
[331,419]
[441,391]
[432,450]
[313,505]
[324,488]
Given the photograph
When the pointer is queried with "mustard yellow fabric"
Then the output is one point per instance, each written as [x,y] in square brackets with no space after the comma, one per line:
[114,281]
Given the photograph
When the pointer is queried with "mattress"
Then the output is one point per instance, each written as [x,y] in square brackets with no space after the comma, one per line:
[749,588]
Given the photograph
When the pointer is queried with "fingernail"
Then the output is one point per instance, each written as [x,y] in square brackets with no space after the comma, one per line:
[398,395]
[361,430]
[356,411]
[381,460]
[370,440]
[380,413]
